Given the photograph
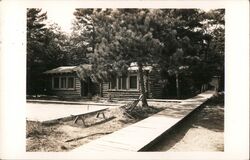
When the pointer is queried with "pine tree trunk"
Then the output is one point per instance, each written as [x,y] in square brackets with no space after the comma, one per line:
[177,85]
[93,36]
[101,86]
[144,98]
[89,89]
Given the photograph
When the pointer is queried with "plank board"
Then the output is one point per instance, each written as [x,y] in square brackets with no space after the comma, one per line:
[136,136]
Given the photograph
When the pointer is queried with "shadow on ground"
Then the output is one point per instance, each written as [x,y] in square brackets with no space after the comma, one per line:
[209,116]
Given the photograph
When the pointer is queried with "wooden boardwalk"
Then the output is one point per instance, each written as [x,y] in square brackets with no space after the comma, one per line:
[138,136]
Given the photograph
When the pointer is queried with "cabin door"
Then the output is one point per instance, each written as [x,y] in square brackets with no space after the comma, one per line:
[84,89]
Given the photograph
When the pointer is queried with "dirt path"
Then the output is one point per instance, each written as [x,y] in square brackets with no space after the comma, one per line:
[201,131]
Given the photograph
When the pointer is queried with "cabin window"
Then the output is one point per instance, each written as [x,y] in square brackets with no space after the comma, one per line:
[133,82]
[122,83]
[63,83]
[112,84]
[70,82]
[56,82]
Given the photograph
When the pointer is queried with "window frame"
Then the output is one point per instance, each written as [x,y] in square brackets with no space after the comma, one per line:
[127,79]
[60,83]
[137,82]
[120,81]
[53,83]
[73,83]
[114,79]
[63,84]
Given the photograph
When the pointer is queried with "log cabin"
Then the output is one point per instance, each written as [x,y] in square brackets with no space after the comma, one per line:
[64,81]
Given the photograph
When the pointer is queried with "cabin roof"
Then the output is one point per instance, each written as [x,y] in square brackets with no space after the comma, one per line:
[135,68]
[68,69]
[62,69]
[85,66]
[71,69]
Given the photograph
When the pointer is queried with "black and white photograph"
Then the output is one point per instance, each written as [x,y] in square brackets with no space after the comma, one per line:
[124,79]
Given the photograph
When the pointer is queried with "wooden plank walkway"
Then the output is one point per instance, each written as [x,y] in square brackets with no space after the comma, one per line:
[138,136]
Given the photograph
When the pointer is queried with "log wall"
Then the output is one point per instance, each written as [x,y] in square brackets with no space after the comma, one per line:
[153,88]
[76,91]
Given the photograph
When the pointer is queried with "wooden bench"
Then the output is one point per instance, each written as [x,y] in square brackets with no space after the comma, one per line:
[96,112]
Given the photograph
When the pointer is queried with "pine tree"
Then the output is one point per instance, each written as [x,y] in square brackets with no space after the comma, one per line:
[174,39]
[47,48]
[35,43]
[131,40]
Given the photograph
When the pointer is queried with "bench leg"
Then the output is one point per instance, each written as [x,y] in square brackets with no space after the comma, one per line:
[103,115]
[83,122]
[80,117]
[77,117]
[97,116]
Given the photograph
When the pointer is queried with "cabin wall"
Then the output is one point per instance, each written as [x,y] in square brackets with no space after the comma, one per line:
[126,92]
[119,93]
[75,91]
[153,88]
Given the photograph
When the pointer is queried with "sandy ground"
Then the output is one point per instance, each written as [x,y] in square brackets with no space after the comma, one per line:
[203,130]
[66,136]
